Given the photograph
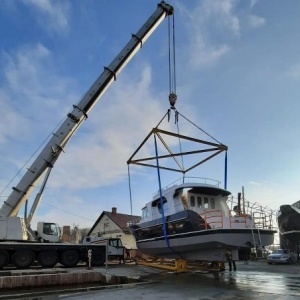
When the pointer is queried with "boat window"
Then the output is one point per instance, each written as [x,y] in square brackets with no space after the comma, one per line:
[199,202]
[157,201]
[164,205]
[145,212]
[212,203]
[205,202]
[192,201]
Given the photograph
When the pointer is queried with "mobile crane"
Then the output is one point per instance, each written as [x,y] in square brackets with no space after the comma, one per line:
[19,244]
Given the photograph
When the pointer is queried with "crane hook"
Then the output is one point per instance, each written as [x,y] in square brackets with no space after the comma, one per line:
[172,100]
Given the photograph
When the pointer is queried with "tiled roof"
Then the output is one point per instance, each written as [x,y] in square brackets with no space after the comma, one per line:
[120,219]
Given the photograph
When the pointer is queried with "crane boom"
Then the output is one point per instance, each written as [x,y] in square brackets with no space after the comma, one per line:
[48,156]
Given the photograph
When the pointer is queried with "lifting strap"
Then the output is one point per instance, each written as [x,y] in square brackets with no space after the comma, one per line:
[161,202]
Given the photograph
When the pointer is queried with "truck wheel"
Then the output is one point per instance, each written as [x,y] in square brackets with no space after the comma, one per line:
[4,258]
[48,258]
[69,258]
[23,258]
[98,259]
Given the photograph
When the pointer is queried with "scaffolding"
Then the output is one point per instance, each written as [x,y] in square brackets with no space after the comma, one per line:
[264,217]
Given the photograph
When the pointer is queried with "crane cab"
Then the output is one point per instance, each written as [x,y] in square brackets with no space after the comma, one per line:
[48,232]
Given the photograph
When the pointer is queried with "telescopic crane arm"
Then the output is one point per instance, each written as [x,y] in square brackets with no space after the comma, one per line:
[48,156]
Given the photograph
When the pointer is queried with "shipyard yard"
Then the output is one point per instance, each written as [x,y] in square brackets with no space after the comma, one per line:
[254,280]
[180,242]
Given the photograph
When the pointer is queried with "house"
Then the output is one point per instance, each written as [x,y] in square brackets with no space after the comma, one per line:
[113,224]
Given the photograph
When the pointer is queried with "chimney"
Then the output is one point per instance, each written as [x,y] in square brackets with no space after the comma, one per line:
[114,210]
[239,202]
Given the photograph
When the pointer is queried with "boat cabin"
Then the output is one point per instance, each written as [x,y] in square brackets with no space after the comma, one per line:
[208,202]
[196,197]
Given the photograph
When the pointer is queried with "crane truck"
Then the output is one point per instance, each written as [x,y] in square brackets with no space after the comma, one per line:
[21,246]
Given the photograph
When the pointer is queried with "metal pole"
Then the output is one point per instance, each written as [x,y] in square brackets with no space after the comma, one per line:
[243,197]
[225,175]
[106,254]
[90,259]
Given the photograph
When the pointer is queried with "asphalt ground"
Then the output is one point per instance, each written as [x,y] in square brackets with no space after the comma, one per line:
[255,280]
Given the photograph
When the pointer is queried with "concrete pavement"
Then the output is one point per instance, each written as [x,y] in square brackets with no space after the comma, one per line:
[254,280]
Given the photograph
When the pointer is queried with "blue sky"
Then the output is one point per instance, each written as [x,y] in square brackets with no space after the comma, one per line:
[238,74]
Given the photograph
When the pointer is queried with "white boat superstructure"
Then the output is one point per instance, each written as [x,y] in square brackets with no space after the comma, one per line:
[193,220]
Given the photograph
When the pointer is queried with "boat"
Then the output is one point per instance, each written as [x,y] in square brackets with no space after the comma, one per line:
[288,220]
[191,219]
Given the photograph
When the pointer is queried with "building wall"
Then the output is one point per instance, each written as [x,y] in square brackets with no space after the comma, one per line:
[107,228]
[128,241]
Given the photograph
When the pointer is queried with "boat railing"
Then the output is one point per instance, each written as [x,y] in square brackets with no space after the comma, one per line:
[262,221]
[201,180]
[212,218]
[191,179]
[238,220]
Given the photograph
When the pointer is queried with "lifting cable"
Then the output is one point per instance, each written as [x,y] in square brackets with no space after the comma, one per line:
[200,128]
[172,76]
[172,63]
[129,183]
[172,87]
[180,146]
[172,100]
[24,165]
[29,159]
[225,162]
